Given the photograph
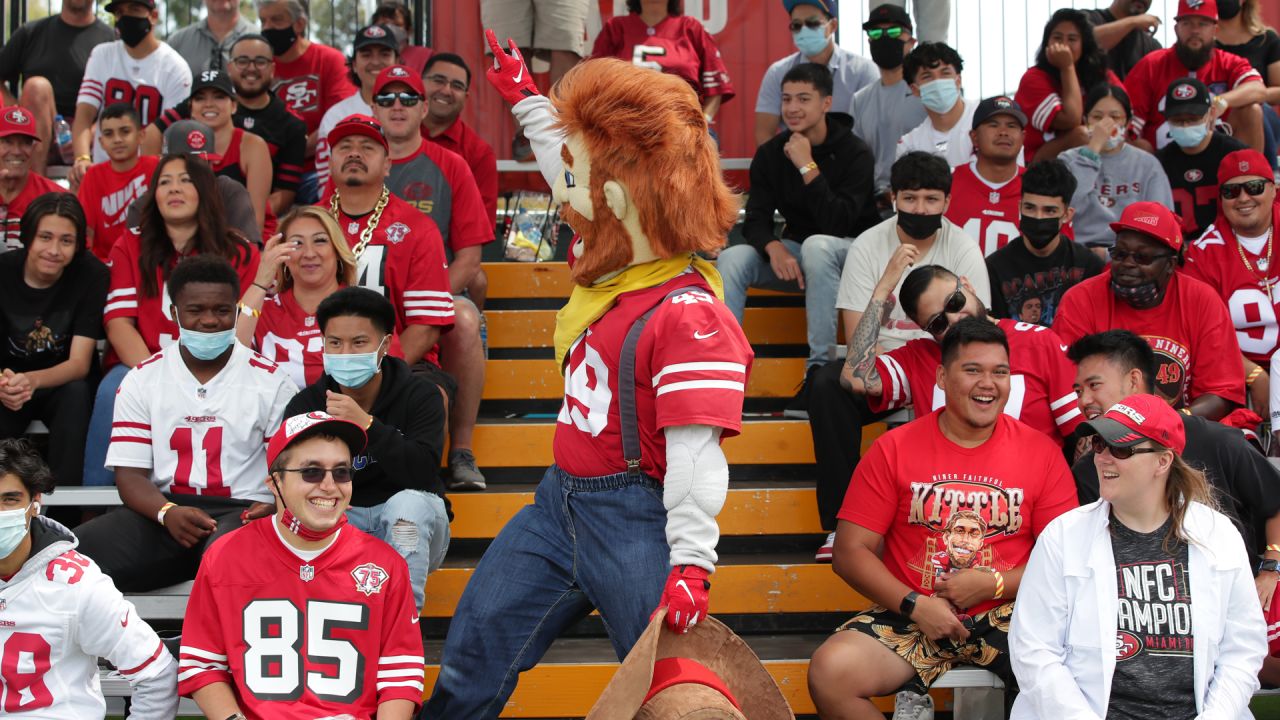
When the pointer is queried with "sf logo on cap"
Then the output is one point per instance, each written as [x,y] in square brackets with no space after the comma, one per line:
[1244,165]
[195,140]
[1184,91]
[17,116]
[374,31]
[397,72]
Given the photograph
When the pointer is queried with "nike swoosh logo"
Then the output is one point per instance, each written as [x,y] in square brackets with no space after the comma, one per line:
[686,589]
[414,621]
[520,74]
[699,336]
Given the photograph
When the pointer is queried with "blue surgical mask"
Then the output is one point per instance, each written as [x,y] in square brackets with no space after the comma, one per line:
[13,527]
[940,95]
[206,345]
[352,370]
[811,41]
[1188,136]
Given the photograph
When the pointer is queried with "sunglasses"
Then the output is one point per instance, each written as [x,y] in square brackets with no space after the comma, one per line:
[406,99]
[1119,453]
[812,23]
[938,323]
[1231,191]
[1141,258]
[244,61]
[877,33]
[315,475]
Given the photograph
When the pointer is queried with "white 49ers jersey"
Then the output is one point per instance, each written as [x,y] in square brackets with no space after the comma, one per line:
[151,85]
[1251,293]
[200,439]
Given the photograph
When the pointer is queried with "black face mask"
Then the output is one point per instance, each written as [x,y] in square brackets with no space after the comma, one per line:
[281,40]
[917,226]
[887,52]
[1228,9]
[133,30]
[1141,296]
[1039,232]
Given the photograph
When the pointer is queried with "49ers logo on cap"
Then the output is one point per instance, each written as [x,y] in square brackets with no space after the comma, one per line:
[1003,102]
[298,423]
[1129,412]
[1184,92]
[397,72]
[195,140]
[18,117]
[1194,4]
[1244,165]
[1151,220]
[374,31]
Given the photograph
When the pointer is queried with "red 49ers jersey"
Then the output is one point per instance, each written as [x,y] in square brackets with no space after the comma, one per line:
[1041,389]
[692,364]
[335,635]
[988,213]
[1252,296]
[1149,80]
[678,45]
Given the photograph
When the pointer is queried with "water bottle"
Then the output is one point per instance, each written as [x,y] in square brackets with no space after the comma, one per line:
[62,131]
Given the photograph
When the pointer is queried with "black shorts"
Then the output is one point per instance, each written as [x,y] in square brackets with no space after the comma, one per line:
[987,646]
[439,378]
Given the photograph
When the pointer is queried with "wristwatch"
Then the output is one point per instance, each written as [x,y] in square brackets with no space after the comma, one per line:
[908,605]
[1269,566]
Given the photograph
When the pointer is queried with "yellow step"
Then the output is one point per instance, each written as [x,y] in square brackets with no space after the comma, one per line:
[535,328]
[540,380]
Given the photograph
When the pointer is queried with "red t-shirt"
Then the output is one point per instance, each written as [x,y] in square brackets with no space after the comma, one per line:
[11,212]
[106,195]
[1215,259]
[692,364]
[479,156]
[678,45]
[914,478]
[988,213]
[1149,80]
[333,636]
[1039,96]
[439,183]
[1041,389]
[1191,333]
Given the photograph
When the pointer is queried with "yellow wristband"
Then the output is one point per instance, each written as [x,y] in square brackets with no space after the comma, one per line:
[1273,548]
[1253,375]
[164,509]
[246,309]
[84,157]
[999,585]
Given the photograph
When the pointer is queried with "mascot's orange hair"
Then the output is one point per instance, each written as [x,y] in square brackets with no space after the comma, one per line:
[646,130]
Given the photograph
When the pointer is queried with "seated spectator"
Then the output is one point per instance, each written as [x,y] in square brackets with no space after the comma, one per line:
[1110,173]
[375,50]
[1237,87]
[1032,272]
[19,186]
[819,176]
[42,64]
[1068,63]
[1105,570]
[933,70]
[986,191]
[1242,32]
[1191,160]
[69,613]
[397,16]
[182,215]
[813,25]
[206,44]
[1182,318]
[1124,30]
[1115,364]
[110,188]
[186,438]
[395,497]
[447,80]
[305,263]
[438,182]
[940,601]
[51,297]
[1234,258]
[885,111]
[370,623]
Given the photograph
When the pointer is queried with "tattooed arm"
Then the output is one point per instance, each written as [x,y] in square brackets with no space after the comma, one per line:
[859,374]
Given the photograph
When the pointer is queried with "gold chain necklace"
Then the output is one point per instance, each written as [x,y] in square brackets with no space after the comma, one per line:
[1266,275]
[367,234]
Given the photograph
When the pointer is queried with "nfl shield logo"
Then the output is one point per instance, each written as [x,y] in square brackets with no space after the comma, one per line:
[994,197]
[248,123]
[3,604]
[353,228]
[307,573]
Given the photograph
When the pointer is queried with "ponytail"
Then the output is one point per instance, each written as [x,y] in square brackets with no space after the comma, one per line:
[1184,486]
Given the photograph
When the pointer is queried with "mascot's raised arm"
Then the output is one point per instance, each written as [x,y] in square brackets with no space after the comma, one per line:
[655,369]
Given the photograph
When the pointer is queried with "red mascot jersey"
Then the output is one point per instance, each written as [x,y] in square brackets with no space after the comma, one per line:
[1041,389]
[988,213]
[692,364]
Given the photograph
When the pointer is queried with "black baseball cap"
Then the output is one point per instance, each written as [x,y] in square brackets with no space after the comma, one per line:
[111,6]
[1186,96]
[998,105]
[378,34]
[887,13]
[216,79]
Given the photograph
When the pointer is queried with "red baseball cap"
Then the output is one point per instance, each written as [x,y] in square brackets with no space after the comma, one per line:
[18,121]
[1151,219]
[399,74]
[1200,8]
[1243,162]
[357,125]
[301,427]
[1138,418]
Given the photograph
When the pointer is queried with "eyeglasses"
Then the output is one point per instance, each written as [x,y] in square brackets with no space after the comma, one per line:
[1231,191]
[406,99]
[938,323]
[315,475]
[244,61]
[812,23]
[1141,258]
[1119,453]
[441,80]
[877,33]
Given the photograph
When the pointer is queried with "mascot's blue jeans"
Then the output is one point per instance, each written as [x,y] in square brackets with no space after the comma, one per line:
[584,543]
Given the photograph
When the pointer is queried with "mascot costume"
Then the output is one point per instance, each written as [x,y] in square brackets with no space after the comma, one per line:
[655,369]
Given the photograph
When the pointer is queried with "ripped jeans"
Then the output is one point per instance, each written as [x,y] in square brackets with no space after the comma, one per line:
[415,523]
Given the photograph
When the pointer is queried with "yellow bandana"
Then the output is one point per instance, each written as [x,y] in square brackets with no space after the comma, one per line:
[588,304]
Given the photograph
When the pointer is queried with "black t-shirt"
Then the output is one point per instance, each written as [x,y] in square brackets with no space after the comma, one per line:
[1194,181]
[56,51]
[1129,50]
[38,324]
[1261,51]
[1017,277]
[1155,670]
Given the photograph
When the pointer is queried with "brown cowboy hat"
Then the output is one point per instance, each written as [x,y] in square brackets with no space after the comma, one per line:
[708,673]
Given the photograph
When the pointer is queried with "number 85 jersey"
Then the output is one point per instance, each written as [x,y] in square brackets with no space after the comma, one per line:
[297,638]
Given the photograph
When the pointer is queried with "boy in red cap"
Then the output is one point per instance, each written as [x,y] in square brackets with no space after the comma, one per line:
[18,185]
[1182,318]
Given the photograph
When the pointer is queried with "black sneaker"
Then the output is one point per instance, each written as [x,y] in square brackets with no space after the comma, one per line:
[798,407]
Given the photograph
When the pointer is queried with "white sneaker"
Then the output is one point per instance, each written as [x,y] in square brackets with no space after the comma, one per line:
[824,553]
[910,706]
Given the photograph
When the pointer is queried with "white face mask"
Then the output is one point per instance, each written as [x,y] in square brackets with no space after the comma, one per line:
[13,528]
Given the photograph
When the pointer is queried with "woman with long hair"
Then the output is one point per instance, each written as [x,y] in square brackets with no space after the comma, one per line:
[182,215]
[1051,92]
[1141,604]
[1242,32]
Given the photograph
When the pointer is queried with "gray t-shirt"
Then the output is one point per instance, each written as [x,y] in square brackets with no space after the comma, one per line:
[849,74]
[1154,677]
[202,51]
[420,182]
[881,115]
